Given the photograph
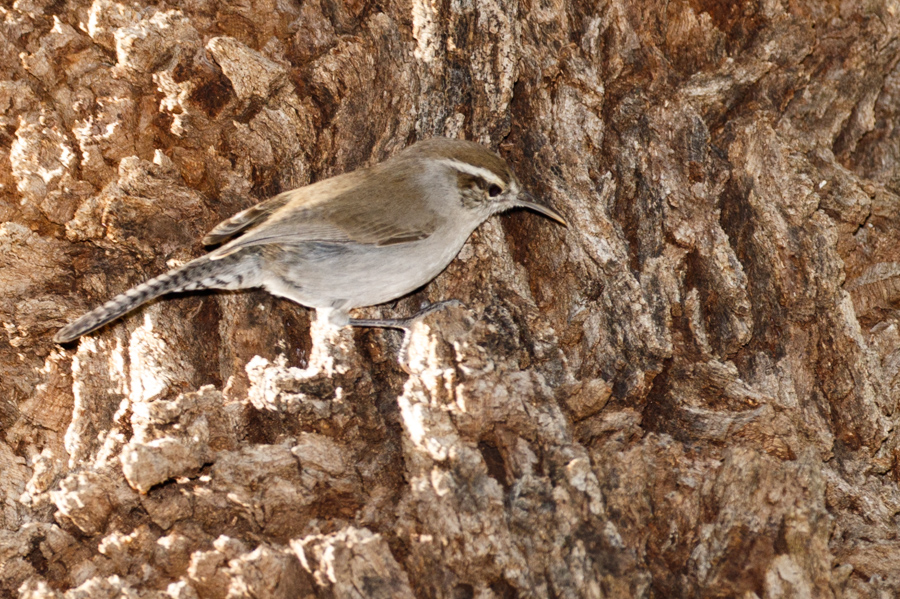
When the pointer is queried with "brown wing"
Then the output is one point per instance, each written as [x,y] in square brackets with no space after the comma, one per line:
[243,220]
[378,207]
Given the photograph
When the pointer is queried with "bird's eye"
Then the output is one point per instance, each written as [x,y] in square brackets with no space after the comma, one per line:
[494,190]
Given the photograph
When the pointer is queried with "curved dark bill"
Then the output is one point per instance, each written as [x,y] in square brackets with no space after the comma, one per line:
[526,200]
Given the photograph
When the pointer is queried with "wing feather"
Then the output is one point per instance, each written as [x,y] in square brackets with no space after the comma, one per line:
[342,209]
[243,220]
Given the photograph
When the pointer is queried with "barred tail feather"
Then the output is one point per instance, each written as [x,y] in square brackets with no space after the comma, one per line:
[201,273]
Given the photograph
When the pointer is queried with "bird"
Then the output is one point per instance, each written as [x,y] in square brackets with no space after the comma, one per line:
[357,239]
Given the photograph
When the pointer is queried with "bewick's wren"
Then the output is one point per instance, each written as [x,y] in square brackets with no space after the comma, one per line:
[358,239]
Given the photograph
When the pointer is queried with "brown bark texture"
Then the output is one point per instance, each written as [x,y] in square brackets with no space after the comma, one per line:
[691,391]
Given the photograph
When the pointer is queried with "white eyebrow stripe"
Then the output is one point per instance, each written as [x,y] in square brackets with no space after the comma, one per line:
[475,171]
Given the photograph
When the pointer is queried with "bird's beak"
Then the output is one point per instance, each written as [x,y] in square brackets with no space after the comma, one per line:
[526,200]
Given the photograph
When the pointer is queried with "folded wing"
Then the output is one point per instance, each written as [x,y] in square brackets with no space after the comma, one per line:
[349,208]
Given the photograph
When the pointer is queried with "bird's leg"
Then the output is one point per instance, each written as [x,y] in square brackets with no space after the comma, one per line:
[404,324]
[333,350]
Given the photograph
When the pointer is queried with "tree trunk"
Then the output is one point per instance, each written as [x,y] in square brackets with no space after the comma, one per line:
[691,391]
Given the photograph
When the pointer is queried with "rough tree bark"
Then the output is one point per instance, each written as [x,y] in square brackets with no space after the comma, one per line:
[690,392]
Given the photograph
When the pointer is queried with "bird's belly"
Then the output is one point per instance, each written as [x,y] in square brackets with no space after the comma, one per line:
[322,275]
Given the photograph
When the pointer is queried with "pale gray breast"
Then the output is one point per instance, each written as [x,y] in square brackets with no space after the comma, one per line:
[322,274]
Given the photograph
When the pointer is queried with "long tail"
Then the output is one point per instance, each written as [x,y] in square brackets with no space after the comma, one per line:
[233,272]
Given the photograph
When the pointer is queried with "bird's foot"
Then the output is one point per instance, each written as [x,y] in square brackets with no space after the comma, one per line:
[404,324]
